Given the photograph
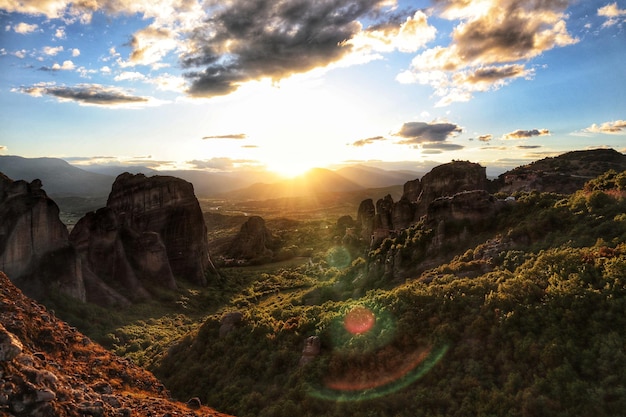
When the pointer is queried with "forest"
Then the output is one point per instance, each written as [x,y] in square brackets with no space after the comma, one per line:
[530,328]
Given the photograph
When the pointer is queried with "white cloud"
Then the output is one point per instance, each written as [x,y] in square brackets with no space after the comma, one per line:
[25,28]
[613,14]
[488,44]
[75,52]
[52,50]
[610,128]
[66,66]
[129,76]
[60,33]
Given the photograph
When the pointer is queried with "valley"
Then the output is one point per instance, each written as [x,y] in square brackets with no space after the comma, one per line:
[490,301]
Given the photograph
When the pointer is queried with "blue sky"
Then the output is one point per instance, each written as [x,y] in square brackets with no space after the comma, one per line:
[286,85]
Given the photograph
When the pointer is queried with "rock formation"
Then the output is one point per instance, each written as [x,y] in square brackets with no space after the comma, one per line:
[34,246]
[311,350]
[379,221]
[48,368]
[151,232]
[168,207]
[254,241]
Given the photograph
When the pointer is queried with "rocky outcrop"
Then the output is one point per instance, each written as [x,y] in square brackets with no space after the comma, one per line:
[311,350]
[34,246]
[151,232]
[254,241]
[166,206]
[48,368]
[380,221]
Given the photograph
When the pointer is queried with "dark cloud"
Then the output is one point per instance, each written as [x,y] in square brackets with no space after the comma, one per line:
[485,138]
[93,94]
[512,30]
[249,40]
[528,146]
[236,136]
[420,132]
[493,74]
[525,134]
[441,147]
[368,141]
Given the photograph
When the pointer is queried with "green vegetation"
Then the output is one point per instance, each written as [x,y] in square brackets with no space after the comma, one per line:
[524,316]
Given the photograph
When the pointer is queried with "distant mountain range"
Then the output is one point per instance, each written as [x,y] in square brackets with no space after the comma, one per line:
[63,180]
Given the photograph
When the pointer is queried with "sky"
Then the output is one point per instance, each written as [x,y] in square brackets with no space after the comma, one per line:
[286,85]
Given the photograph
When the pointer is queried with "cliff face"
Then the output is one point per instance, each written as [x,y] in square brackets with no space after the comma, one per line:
[151,232]
[166,206]
[48,368]
[33,240]
[377,222]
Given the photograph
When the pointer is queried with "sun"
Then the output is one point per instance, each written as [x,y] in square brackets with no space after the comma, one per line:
[289,168]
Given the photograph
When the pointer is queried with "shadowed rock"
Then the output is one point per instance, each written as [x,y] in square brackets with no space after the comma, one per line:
[34,247]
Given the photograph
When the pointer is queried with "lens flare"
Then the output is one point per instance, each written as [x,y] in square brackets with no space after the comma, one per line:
[416,365]
[359,320]
[367,361]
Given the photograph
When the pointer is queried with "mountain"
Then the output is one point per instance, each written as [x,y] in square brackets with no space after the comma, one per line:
[314,181]
[48,368]
[59,177]
[563,173]
[371,177]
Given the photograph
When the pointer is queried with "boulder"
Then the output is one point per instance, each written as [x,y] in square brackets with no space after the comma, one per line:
[312,347]
[229,321]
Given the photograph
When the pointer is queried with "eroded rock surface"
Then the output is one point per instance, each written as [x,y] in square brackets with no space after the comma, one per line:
[49,369]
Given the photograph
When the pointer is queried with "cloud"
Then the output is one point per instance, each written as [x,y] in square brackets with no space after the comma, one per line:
[66,66]
[243,40]
[60,33]
[129,76]
[613,14]
[25,28]
[525,134]
[236,136]
[168,82]
[88,94]
[407,36]
[610,128]
[528,146]
[221,163]
[485,138]
[75,52]
[3,148]
[487,45]
[368,141]
[436,148]
[415,133]
[52,51]
[149,46]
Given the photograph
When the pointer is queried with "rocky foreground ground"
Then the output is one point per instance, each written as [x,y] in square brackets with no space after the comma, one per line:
[48,368]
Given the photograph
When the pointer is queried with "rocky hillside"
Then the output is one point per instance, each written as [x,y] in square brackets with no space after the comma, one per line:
[564,174]
[48,368]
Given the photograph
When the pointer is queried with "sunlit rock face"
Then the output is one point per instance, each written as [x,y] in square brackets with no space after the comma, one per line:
[166,206]
[34,247]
